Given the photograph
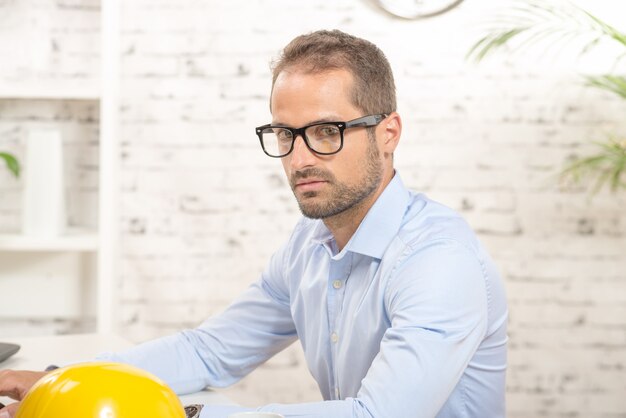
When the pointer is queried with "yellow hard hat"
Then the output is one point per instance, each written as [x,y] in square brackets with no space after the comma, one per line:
[100,390]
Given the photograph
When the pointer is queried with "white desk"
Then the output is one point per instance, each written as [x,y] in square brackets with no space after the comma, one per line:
[37,353]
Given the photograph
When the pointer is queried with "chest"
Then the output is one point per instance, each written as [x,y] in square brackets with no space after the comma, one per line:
[340,314]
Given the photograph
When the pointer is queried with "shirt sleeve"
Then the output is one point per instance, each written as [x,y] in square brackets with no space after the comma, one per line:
[438,307]
[225,348]
[436,300]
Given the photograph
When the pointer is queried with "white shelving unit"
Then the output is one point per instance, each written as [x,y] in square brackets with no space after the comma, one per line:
[108,236]
[63,90]
[87,257]
[76,240]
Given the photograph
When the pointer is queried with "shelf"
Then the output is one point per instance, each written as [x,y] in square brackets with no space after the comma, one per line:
[85,263]
[63,90]
[74,240]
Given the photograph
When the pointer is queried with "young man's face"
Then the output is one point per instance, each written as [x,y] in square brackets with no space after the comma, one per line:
[326,185]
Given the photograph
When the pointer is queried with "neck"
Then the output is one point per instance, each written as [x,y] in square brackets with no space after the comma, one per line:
[344,224]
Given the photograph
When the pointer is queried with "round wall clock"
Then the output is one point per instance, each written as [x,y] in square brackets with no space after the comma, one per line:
[417,9]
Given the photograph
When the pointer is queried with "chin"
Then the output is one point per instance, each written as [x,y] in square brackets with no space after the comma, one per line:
[311,211]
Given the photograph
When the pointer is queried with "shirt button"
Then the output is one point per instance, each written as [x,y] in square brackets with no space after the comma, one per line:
[337,284]
[334,337]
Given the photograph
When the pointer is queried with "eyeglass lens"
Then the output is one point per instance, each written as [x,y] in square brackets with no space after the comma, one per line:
[324,139]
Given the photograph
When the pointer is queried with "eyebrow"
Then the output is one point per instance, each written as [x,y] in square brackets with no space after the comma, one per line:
[313,122]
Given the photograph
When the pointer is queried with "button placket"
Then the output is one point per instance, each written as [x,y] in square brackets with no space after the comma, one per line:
[339,273]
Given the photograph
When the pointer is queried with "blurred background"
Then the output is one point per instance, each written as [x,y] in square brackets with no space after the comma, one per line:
[165,207]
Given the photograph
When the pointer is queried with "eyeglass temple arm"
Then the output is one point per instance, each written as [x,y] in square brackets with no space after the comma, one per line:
[369,120]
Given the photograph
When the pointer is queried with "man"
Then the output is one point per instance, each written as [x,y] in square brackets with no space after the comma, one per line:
[398,308]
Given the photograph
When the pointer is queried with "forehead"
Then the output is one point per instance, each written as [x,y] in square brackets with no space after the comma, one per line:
[300,97]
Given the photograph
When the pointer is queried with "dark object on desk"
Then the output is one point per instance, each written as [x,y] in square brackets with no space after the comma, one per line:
[7,350]
[193,411]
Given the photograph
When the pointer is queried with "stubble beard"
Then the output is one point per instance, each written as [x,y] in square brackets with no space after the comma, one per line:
[341,197]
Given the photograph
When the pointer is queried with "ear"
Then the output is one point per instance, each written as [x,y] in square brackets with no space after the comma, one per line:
[391,131]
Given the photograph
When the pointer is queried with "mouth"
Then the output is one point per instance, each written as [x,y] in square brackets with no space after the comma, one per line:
[308,185]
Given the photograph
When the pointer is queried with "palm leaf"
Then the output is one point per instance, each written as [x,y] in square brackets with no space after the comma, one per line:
[491,42]
[607,29]
[11,162]
[609,166]
[532,23]
[554,25]
[612,83]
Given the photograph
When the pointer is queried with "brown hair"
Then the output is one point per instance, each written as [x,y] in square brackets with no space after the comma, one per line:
[374,90]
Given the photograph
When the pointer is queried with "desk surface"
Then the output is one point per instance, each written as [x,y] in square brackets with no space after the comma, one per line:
[37,353]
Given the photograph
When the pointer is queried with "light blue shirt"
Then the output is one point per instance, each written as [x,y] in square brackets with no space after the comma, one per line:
[408,320]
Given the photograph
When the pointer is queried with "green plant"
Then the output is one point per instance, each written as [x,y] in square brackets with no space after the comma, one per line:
[11,162]
[553,24]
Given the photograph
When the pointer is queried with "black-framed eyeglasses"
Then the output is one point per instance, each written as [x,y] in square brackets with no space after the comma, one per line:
[324,138]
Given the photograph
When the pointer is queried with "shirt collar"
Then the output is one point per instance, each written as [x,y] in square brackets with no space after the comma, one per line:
[378,228]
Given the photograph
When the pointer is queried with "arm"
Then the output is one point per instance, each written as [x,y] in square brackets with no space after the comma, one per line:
[437,304]
[225,348]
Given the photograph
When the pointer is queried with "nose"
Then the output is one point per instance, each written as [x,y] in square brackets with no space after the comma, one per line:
[301,156]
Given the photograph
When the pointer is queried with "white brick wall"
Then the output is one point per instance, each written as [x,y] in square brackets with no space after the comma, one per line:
[203,208]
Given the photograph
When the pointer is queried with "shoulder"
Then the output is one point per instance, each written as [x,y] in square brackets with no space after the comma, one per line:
[435,248]
[436,253]
[427,222]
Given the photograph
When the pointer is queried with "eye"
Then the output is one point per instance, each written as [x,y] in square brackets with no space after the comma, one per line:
[283,135]
[326,130]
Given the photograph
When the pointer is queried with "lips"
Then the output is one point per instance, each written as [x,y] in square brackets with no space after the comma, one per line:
[310,180]
[308,185]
